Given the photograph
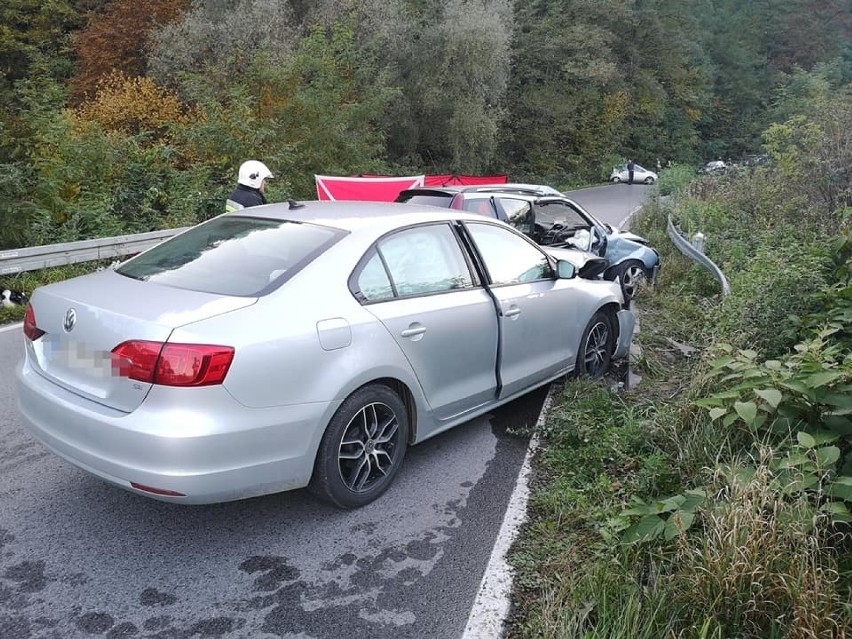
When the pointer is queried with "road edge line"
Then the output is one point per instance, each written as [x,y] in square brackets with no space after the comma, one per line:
[493,599]
[623,222]
[10,327]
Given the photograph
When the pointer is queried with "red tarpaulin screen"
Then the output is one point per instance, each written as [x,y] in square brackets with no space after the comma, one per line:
[379,189]
[384,188]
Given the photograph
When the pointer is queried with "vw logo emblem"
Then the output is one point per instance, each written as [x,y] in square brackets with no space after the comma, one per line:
[70,320]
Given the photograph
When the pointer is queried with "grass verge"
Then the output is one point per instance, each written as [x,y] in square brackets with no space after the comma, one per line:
[648,518]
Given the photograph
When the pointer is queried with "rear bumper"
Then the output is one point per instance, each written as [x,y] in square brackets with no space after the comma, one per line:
[217,450]
[626,323]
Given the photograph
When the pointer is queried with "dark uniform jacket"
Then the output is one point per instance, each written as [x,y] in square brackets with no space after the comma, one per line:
[243,197]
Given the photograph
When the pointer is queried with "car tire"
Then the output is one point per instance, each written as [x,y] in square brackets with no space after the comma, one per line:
[649,180]
[362,449]
[616,179]
[596,346]
[631,275]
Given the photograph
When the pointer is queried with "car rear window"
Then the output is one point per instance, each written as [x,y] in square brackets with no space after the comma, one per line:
[233,255]
[432,200]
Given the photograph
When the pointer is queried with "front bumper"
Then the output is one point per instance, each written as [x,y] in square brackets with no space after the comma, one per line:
[626,324]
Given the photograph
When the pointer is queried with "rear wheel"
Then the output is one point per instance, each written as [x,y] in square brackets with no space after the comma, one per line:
[595,354]
[362,449]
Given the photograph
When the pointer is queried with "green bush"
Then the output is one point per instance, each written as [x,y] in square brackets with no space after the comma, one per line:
[768,293]
[674,179]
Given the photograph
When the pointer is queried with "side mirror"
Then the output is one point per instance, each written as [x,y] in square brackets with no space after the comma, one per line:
[565,270]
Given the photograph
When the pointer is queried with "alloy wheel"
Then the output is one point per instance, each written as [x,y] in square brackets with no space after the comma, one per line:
[596,350]
[631,278]
[368,448]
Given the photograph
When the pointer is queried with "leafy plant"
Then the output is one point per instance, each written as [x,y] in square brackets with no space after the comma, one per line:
[807,394]
[674,179]
[662,518]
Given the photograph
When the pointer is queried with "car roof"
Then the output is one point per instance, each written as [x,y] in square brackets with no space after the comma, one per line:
[517,187]
[503,187]
[350,215]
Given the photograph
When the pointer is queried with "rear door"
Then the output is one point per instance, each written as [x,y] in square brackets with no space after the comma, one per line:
[419,284]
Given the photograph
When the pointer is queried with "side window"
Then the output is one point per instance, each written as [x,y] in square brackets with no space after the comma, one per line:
[509,259]
[519,214]
[479,205]
[420,260]
[425,259]
[373,282]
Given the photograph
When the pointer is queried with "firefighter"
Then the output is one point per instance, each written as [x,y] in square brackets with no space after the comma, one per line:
[251,183]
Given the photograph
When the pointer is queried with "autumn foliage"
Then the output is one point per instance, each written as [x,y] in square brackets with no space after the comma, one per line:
[115,39]
[131,105]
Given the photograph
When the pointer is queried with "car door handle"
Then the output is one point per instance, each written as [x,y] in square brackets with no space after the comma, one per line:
[512,312]
[413,331]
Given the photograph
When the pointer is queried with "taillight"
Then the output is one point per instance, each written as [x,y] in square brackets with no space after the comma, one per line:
[32,331]
[170,364]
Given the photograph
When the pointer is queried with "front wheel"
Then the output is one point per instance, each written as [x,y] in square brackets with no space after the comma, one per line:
[595,354]
[632,276]
[616,179]
[362,449]
[649,180]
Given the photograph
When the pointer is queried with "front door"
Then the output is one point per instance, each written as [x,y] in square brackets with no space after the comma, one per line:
[535,308]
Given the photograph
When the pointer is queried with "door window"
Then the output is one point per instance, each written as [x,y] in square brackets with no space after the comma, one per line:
[479,204]
[416,261]
[518,213]
[509,258]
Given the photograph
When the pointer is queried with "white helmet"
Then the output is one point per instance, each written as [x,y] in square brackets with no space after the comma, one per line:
[253,173]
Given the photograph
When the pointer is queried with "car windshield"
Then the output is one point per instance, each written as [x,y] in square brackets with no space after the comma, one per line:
[233,255]
[549,213]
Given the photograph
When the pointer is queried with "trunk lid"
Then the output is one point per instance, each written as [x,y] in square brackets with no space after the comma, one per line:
[85,318]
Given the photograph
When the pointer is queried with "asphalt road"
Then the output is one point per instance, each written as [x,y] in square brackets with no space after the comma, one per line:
[613,203]
[80,558]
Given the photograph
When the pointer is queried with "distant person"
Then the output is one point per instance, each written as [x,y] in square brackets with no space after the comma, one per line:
[659,165]
[630,168]
[251,183]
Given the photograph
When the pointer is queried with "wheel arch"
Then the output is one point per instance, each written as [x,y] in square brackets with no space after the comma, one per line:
[404,393]
[611,271]
[611,309]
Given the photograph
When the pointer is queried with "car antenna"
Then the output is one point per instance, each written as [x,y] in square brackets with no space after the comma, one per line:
[294,204]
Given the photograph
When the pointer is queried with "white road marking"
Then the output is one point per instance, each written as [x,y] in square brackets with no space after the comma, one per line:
[623,224]
[11,327]
[491,607]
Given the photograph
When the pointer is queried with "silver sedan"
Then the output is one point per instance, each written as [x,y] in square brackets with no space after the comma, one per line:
[640,175]
[282,346]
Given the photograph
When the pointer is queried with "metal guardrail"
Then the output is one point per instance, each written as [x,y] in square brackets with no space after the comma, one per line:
[693,253]
[38,257]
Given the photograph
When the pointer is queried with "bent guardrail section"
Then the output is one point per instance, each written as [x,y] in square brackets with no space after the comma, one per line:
[694,254]
[39,257]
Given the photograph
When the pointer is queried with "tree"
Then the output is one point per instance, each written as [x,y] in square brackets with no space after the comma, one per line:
[220,39]
[566,102]
[132,106]
[33,46]
[462,96]
[115,39]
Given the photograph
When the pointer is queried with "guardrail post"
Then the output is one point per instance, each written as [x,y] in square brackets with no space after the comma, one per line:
[698,242]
